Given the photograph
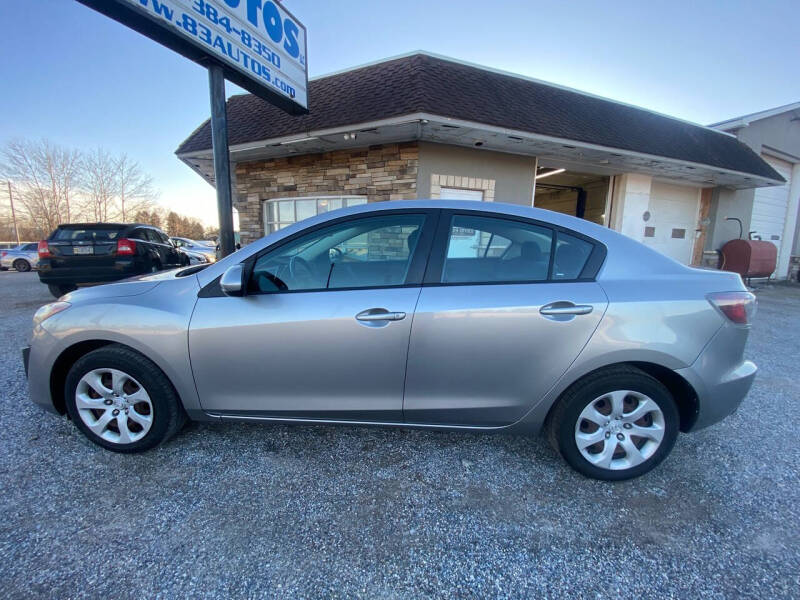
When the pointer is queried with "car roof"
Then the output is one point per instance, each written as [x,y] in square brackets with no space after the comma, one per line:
[101,225]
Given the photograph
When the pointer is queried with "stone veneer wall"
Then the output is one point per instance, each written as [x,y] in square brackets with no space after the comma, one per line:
[385,172]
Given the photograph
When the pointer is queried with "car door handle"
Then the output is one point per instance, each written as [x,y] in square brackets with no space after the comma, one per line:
[566,308]
[372,314]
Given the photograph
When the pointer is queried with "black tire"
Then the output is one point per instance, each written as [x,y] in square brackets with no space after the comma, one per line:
[168,414]
[22,265]
[60,290]
[155,267]
[564,419]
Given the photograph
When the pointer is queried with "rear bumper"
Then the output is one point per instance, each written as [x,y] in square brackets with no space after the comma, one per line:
[720,376]
[120,270]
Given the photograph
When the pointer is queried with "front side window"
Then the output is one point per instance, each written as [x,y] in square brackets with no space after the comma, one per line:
[361,253]
[487,249]
[283,212]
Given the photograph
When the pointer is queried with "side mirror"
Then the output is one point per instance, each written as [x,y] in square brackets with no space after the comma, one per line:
[232,281]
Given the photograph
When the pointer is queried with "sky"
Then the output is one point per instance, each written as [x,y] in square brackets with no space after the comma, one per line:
[79,79]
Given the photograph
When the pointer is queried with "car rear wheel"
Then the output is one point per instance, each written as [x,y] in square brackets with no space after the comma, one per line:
[615,424]
[60,290]
[121,400]
[21,265]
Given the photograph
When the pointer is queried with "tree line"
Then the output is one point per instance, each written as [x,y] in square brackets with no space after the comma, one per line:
[52,184]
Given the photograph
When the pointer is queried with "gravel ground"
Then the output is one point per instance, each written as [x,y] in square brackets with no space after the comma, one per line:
[314,511]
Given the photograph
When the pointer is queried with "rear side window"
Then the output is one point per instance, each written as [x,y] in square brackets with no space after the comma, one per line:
[70,234]
[487,249]
[29,247]
[571,256]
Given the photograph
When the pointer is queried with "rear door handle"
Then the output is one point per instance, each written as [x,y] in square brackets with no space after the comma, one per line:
[566,308]
[373,314]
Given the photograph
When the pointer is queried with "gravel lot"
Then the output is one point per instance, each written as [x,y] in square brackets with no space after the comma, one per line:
[310,511]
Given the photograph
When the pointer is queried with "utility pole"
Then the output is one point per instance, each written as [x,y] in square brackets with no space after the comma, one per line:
[13,213]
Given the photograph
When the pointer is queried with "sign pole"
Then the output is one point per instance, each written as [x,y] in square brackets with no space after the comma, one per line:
[222,164]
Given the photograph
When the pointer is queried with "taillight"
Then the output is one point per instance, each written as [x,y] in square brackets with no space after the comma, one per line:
[44,249]
[739,307]
[126,247]
[3,254]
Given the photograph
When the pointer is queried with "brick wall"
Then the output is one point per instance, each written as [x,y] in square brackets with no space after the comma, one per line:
[386,172]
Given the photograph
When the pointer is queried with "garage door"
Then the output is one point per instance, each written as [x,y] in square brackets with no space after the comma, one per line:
[673,220]
[770,206]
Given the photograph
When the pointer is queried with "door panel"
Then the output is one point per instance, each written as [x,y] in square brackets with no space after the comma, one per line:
[303,355]
[484,354]
[298,344]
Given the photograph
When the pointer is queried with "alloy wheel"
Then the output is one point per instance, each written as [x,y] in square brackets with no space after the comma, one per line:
[114,406]
[619,430]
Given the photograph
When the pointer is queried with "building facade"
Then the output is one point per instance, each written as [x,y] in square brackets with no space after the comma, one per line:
[423,126]
[765,213]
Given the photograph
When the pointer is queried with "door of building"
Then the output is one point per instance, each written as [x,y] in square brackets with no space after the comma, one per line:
[673,220]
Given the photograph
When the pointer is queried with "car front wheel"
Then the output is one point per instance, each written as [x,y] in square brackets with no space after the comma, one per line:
[121,400]
[615,424]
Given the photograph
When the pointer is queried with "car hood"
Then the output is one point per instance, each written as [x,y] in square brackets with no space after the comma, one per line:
[119,289]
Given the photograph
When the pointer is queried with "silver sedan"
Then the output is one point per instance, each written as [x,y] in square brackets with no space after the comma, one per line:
[458,315]
[22,258]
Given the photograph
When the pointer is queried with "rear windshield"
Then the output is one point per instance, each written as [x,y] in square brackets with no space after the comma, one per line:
[93,234]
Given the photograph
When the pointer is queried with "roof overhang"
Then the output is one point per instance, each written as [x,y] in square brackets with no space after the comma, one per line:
[550,151]
[744,121]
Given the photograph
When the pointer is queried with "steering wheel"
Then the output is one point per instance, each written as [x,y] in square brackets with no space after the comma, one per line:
[299,267]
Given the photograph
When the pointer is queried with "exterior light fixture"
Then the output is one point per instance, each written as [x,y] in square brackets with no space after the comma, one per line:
[548,173]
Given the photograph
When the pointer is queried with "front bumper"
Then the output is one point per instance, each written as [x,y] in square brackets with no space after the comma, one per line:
[720,376]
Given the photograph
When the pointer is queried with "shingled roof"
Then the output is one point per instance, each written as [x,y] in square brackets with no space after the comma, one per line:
[421,83]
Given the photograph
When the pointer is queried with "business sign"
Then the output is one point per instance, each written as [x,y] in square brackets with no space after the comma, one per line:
[261,46]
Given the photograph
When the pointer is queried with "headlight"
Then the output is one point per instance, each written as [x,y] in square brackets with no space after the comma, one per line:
[48,310]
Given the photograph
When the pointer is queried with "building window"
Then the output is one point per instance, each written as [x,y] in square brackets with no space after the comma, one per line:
[281,212]
[458,187]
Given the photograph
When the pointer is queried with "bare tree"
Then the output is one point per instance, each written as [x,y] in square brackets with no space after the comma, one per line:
[45,179]
[135,188]
[100,185]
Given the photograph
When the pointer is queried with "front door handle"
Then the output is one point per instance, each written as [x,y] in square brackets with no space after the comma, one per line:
[380,314]
[566,308]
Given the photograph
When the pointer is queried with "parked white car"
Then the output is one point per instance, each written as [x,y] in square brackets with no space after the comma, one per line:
[23,258]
